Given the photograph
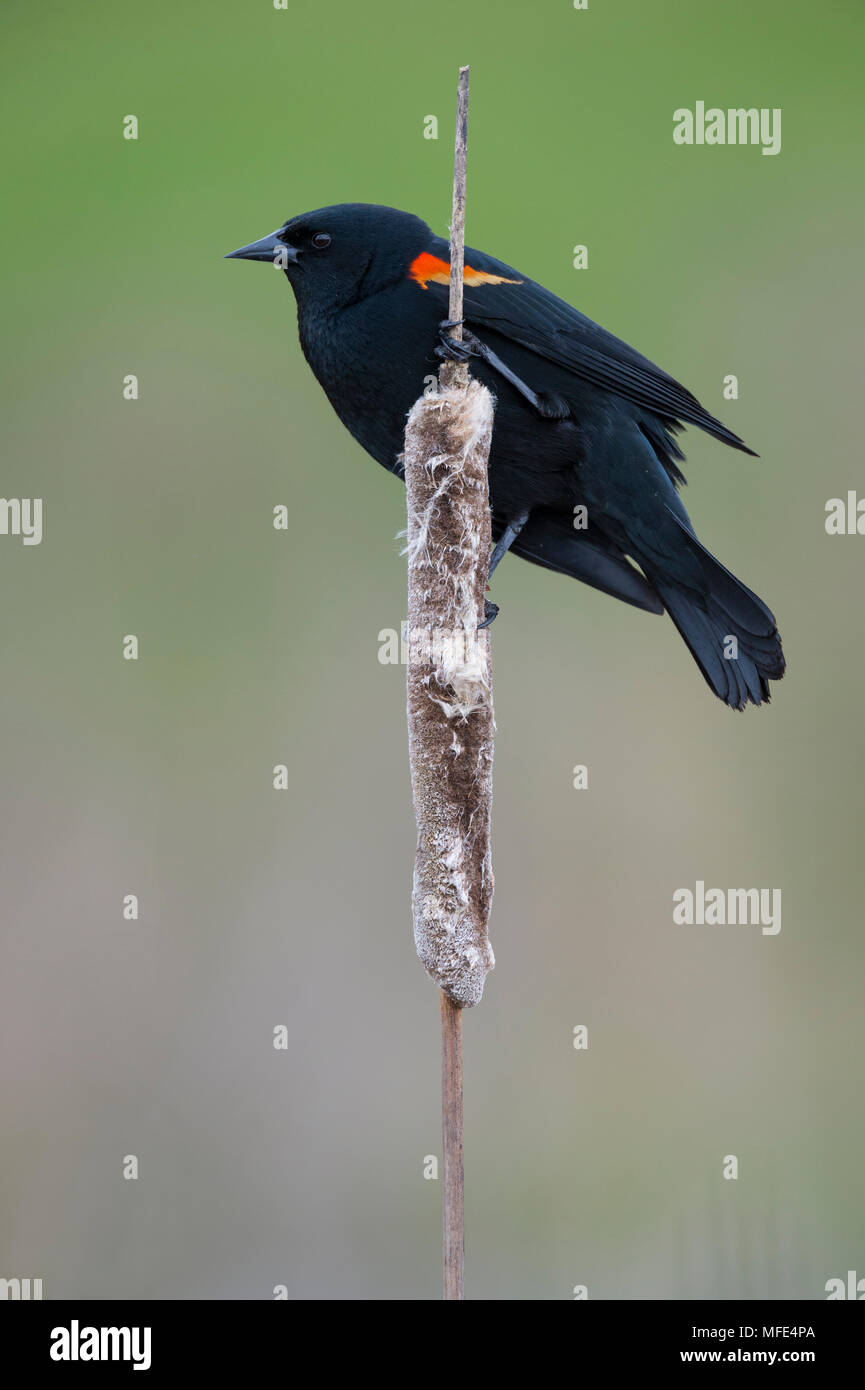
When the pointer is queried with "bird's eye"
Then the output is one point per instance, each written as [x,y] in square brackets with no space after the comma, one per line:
[320,241]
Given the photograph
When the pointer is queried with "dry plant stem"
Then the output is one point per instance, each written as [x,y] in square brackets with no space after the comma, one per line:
[450,710]
[457,373]
[452,1147]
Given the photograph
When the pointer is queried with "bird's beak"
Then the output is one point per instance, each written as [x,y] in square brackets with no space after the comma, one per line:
[268,249]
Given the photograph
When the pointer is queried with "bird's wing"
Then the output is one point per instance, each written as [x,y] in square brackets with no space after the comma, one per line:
[499,298]
[549,540]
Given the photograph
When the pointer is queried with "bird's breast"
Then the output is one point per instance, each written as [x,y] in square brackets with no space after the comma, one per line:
[372,364]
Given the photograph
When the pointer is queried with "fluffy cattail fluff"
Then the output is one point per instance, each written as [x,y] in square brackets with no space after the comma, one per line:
[450,710]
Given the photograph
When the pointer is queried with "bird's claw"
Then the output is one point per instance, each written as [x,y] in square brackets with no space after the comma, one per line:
[449,350]
[457,350]
[490,614]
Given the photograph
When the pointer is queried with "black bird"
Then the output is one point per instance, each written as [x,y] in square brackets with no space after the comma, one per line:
[582,420]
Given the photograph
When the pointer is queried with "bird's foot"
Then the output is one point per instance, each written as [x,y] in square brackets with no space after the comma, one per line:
[490,614]
[457,350]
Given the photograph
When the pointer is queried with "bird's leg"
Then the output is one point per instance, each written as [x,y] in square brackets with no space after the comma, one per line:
[547,404]
[507,538]
[502,546]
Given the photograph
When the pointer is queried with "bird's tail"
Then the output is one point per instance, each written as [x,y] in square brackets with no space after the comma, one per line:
[730,632]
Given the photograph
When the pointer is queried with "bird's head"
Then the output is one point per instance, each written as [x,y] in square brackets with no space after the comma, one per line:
[339,255]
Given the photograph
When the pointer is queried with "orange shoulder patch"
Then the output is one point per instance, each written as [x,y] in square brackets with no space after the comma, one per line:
[426,268]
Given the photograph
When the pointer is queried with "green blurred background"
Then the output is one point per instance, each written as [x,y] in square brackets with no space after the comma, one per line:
[304,1167]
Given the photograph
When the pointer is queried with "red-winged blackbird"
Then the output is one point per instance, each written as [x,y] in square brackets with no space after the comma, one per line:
[582,420]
